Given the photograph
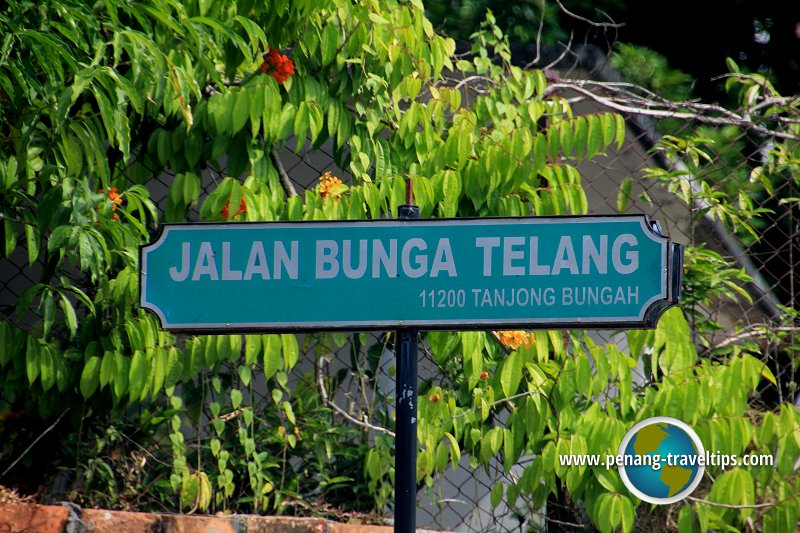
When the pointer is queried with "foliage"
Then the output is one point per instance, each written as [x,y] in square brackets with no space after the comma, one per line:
[524,21]
[694,185]
[116,96]
[649,69]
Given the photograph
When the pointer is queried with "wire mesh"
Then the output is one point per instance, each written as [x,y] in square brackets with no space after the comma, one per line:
[459,499]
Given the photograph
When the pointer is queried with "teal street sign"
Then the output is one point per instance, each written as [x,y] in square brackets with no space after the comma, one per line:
[489,273]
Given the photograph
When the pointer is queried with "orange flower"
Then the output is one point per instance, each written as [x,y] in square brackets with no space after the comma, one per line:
[515,339]
[330,186]
[278,66]
[114,196]
[116,200]
[225,213]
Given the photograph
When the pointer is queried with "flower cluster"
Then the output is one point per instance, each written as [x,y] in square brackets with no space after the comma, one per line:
[116,200]
[330,186]
[278,66]
[515,339]
[225,213]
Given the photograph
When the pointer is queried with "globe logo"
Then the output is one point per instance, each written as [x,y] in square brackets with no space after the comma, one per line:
[661,460]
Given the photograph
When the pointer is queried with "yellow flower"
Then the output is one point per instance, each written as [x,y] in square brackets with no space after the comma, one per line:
[515,339]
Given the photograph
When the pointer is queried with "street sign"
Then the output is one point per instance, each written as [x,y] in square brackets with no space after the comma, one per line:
[488,273]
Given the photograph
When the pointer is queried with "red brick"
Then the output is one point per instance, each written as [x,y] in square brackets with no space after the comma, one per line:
[30,517]
[102,521]
[285,524]
[198,524]
[53,519]
[359,528]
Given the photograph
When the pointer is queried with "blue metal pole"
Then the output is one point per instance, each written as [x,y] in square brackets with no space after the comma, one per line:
[405,443]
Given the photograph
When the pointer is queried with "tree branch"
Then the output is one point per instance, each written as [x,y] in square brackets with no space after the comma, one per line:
[587,21]
[664,109]
[288,186]
[730,505]
[327,401]
[753,332]
[32,444]
[18,220]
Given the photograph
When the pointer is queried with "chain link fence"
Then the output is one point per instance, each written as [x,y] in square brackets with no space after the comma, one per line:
[460,499]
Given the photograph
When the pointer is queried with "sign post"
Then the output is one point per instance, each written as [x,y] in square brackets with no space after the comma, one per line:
[405,441]
[565,272]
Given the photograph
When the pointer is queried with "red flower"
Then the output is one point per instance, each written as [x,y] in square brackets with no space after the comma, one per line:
[225,213]
[278,66]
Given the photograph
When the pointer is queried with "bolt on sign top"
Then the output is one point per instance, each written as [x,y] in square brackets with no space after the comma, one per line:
[523,272]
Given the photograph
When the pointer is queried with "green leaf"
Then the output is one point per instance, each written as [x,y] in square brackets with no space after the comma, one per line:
[107,369]
[236,398]
[256,107]
[329,45]
[241,110]
[609,479]
[334,115]
[472,343]
[637,340]
[491,442]
[497,494]
[624,196]
[245,374]
[69,315]
[620,130]
[252,348]
[90,377]
[224,30]
[137,376]
[377,19]
[316,121]
[301,122]
[583,374]
[609,128]
[174,368]
[32,366]
[47,367]
[372,466]
[32,240]
[511,373]
[455,451]
[255,34]
[220,111]
[190,188]
[163,147]
[783,517]
[372,196]
[287,408]
[48,311]
[290,350]
[272,355]
[158,370]
[451,192]
[686,519]
[595,138]
[122,367]
[673,343]
[624,509]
